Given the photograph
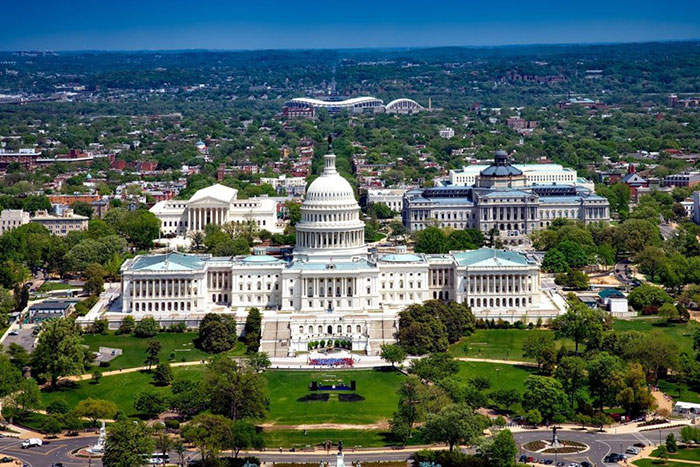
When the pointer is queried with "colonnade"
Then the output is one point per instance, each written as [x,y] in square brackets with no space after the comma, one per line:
[312,239]
[339,287]
[198,218]
[499,283]
[149,288]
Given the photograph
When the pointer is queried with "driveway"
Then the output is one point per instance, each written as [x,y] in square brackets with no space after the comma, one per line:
[24,338]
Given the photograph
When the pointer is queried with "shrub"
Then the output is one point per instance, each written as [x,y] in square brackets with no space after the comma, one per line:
[147,327]
[127,325]
[172,424]
[58,406]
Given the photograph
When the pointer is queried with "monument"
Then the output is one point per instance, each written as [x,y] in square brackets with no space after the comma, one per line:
[99,447]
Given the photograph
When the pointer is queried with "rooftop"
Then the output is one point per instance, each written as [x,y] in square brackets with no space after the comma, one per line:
[169,262]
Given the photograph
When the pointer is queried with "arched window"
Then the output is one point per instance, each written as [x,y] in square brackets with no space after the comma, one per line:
[358,329]
[330,329]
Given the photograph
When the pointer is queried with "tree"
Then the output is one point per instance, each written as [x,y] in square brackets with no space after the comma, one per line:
[252,329]
[258,361]
[650,260]
[635,397]
[128,444]
[670,312]
[501,450]
[244,435]
[540,346]
[555,261]
[209,434]
[197,239]
[571,373]
[58,406]
[235,390]
[579,323]
[10,376]
[546,395]
[434,367]
[671,444]
[152,350]
[59,350]
[147,327]
[431,240]
[51,425]
[533,417]
[657,353]
[140,227]
[599,419]
[604,378]
[163,374]
[188,398]
[454,424]
[421,330]
[95,409]
[150,403]
[127,325]
[25,398]
[505,398]
[662,453]
[94,282]
[393,354]
[648,295]
[96,376]
[163,444]
[216,333]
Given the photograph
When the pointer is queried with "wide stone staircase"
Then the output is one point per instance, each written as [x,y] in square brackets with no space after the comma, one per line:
[275,338]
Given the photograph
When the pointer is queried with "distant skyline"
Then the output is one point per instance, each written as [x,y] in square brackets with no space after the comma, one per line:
[313,24]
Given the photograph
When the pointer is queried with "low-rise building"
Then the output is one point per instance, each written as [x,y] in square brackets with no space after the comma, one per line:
[392,197]
[50,309]
[62,224]
[12,218]
[290,185]
[682,179]
[447,133]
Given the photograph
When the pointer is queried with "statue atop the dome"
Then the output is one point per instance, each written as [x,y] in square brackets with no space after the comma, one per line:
[330,143]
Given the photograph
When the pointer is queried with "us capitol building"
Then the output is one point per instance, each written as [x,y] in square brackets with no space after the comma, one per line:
[333,287]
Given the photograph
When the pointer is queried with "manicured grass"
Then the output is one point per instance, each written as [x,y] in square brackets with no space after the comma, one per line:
[651,463]
[497,344]
[49,286]
[175,347]
[686,394]
[502,376]
[682,334]
[379,388]
[120,389]
[692,454]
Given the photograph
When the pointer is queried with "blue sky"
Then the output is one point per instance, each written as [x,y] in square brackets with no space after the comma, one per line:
[232,24]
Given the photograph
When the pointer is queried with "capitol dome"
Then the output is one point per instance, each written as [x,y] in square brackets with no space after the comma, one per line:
[330,226]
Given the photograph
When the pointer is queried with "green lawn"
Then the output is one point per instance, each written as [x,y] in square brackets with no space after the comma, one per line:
[121,389]
[682,334]
[498,344]
[650,463]
[49,286]
[692,454]
[176,347]
[502,376]
[377,387]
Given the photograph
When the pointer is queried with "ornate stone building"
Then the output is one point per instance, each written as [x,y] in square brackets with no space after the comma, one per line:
[332,288]
[501,200]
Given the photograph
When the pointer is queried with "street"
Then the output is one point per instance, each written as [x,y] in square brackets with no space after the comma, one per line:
[601,444]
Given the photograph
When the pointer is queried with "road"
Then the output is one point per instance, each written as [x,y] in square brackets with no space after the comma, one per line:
[667,231]
[622,274]
[601,444]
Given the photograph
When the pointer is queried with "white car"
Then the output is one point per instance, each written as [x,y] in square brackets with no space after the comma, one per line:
[31,443]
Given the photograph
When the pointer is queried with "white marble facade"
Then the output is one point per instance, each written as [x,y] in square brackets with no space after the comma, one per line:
[332,288]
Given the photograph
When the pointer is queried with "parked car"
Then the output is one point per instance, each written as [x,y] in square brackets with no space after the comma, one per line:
[632,450]
[32,442]
[12,333]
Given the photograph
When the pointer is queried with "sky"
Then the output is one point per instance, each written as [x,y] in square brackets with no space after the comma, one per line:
[292,24]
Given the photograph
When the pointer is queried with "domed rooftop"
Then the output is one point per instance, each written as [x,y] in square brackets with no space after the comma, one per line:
[330,187]
[500,167]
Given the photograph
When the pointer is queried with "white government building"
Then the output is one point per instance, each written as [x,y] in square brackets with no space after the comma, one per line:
[535,174]
[217,204]
[333,287]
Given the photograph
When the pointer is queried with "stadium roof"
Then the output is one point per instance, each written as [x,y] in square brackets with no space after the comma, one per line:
[352,102]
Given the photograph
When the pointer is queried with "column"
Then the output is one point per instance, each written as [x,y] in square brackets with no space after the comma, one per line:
[189,219]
